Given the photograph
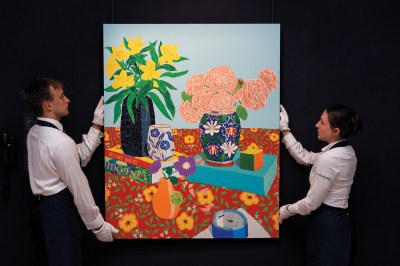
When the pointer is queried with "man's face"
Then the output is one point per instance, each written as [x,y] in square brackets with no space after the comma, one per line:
[325,132]
[59,103]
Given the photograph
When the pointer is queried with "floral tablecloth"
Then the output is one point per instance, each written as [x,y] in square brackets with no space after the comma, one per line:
[129,207]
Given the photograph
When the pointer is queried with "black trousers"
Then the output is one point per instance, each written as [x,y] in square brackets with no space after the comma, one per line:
[61,228]
[329,237]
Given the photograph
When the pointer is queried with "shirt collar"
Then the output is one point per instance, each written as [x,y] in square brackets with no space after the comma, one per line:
[327,147]
[53,121]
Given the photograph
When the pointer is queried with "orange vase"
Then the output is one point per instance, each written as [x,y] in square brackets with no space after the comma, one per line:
[162,205]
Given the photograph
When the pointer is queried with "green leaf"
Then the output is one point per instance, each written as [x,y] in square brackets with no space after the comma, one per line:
[181,59]
[168,102]
[143,93]
[174,74]
[126,44]
[109,49]
[153,54]
[186,97]
[117,109]
[117,96]
[168,85]
[111,89]
[139,59]
[241,112]
[160,105]
[167,67]
[129,102]
[174,180]
[161,86]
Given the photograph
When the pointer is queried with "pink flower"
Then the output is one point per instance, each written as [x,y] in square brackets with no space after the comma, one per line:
[189,112]
[221,79]
[269,77]
[201,100]
[194,84]
[222,103]
[212,149]
[255,94]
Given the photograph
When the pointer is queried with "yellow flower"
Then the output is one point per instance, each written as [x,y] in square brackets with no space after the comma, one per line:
[252,146]
[189,139]
[128,222]
[185,221]
[249,198]
[241,137]
[274,137]
[111,67]
[122,80]
[169,54]
[275,218]
[254,130]
[135,45]
[106,136]
[121,53]
[155,84]
[174,132]
[149,71]
[108,193]
[205,197]
[149,193]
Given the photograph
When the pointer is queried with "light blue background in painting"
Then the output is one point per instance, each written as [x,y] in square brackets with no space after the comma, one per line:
[245,48]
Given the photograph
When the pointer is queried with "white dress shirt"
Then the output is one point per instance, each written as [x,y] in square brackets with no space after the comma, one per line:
[54,162]
[330,178]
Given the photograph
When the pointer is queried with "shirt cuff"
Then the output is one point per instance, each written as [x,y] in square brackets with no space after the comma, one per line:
[289,140]
[94,134]
[96,223]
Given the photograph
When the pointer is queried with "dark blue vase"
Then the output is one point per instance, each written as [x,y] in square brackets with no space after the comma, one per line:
[134,135]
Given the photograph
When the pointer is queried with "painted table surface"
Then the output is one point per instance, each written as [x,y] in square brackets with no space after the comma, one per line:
[129,207]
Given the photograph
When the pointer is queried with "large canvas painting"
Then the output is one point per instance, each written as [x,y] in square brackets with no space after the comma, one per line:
[191,130]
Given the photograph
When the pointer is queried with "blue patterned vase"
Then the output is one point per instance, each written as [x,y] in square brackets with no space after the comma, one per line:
[160,142]
[220,136]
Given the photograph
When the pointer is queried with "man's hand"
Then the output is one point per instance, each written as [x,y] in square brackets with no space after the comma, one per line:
[284,213]
[284,121]
[98,118]
[105,232]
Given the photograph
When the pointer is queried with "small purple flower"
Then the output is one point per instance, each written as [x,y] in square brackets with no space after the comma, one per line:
[155,166]
[185,165]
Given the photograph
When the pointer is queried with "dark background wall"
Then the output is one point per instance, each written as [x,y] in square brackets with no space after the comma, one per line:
[331,52]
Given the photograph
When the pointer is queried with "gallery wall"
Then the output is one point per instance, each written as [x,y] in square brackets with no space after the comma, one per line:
[331,52]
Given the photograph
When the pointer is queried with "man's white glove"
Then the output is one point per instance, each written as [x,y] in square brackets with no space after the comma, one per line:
[105,232]
[284,121]
[284,213]
[98,117]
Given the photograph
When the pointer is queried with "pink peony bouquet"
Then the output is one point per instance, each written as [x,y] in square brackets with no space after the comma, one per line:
[220,91]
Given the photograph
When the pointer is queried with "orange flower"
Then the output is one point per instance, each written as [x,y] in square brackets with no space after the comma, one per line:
[252,146]
[174,132]
[249,199]
[185,221]
[205,196]
[128,222]
[189,139]
[275,218]
[108,193]
[241,137]
[274,137]
[254,130]
[149,193]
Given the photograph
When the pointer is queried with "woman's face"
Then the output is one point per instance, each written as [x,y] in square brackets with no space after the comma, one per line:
[325,132]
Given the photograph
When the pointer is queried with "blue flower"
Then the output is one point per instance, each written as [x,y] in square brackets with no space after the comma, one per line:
[154,132]
[164,145]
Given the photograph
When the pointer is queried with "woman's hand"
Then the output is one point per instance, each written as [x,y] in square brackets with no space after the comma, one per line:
[284,121]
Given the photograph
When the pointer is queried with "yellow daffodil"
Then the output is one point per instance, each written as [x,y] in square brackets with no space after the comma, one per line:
[149,71]
[185,221]
[135,45]
[122,80]
[111,67]
[121,53]
[249,198]
[169,54]
[128,222]
[149,193]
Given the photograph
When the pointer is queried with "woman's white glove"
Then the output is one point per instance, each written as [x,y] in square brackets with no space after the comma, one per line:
[98,117]
[284,121]
[105,232]
[284,213]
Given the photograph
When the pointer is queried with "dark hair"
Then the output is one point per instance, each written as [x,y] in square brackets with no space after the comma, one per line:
[38,91]
[346,119]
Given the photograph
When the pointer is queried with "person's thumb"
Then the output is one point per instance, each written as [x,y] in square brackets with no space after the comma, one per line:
[114,230]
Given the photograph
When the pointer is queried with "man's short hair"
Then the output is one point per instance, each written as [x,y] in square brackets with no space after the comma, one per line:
[38,91]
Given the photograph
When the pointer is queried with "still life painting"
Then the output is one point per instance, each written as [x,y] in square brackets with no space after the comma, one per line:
[191,130]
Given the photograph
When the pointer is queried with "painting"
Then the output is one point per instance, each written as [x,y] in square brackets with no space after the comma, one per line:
[191,130]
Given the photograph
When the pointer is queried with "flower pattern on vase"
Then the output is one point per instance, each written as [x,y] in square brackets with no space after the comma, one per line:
[220,138]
